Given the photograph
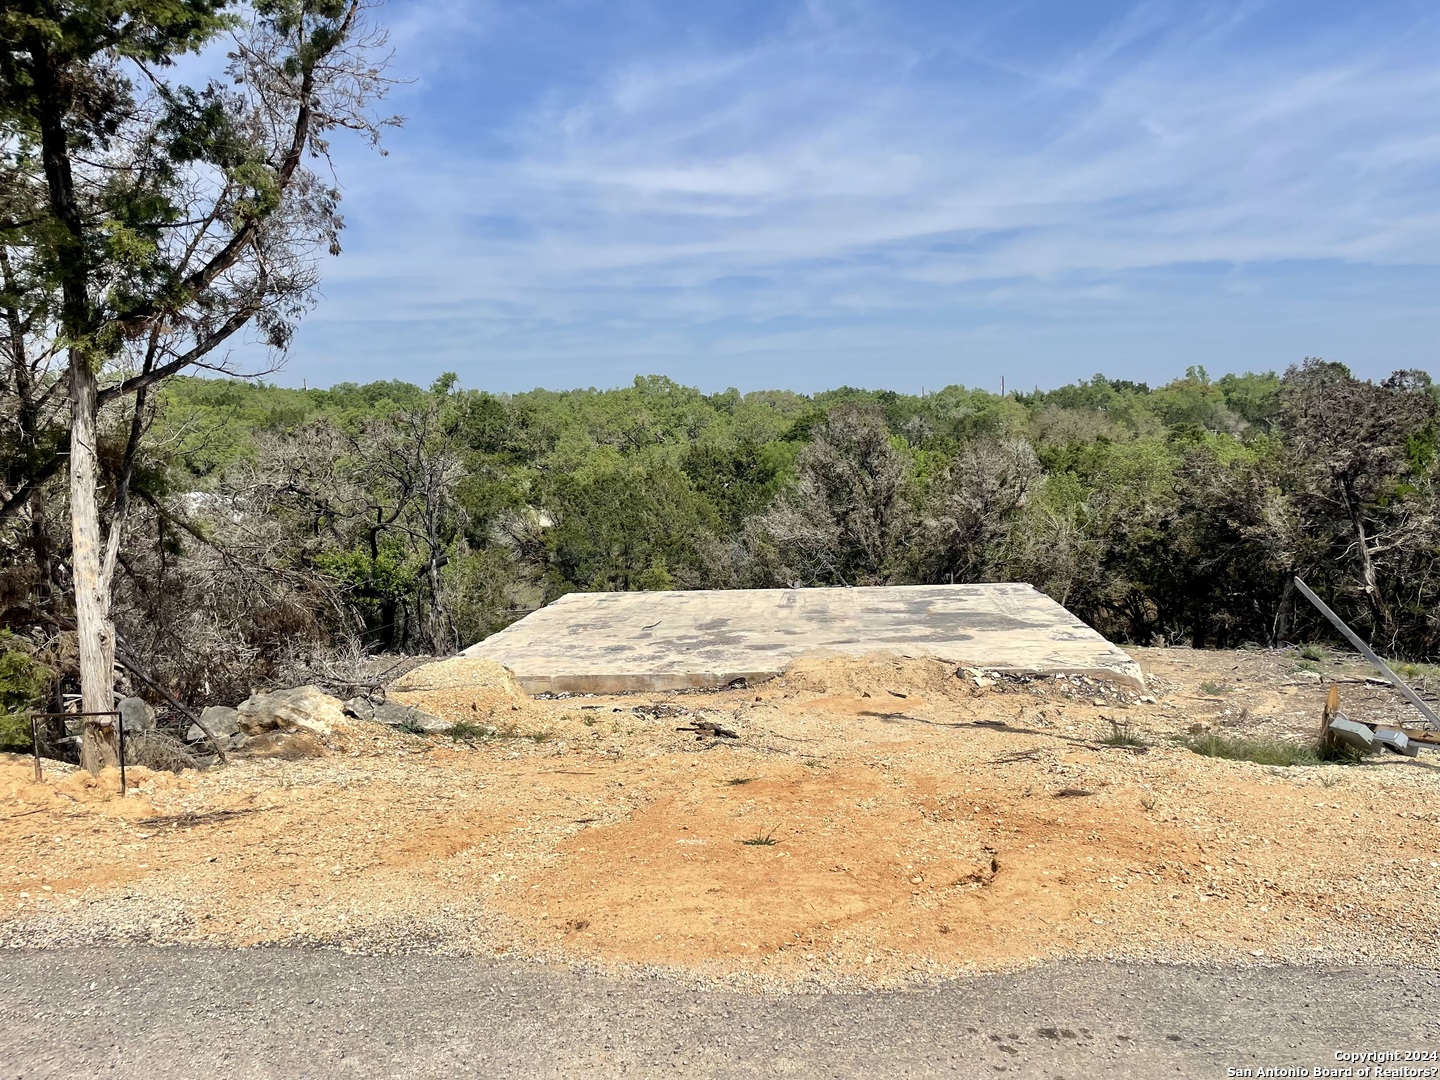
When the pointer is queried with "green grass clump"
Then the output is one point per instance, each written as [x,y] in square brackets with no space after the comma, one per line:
[1260,751]
[761,840]
[472,733]
[1408,670]
[1313,653]
[1120,736]
[1214,689]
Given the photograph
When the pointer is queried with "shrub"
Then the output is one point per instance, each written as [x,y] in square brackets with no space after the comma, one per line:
[15,733]
[158,751]
[23,682]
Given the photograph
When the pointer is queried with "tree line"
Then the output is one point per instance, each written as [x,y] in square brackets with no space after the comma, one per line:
[272,527]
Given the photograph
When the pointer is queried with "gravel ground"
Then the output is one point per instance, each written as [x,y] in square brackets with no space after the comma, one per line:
[161,1013]
[924,826]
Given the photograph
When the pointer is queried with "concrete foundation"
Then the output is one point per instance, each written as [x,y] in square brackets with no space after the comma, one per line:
[617,642]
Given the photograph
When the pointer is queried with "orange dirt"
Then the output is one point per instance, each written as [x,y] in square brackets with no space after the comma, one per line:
[921,825]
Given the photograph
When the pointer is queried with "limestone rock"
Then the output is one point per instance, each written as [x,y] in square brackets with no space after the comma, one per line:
[393,714]
[220,720]
[305,708]
[409,718]
[361,708]
[136,715]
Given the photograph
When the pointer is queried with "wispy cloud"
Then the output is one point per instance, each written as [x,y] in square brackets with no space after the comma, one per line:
[857,170]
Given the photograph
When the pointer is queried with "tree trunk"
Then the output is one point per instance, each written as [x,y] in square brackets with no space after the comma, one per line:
[1284,611]
[92,602]
[1368,576]
[441,640]
[96,634]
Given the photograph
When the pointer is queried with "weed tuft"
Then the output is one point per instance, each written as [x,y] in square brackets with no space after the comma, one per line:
[473,733]
[468,732]
[1410,670]
[1120,735]
[1260,751]
[761,840]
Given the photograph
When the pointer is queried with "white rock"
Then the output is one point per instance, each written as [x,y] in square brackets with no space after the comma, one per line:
[220,720]
[136,715]
[305,708]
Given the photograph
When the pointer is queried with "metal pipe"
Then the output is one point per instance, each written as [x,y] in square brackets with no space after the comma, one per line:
[1369,654]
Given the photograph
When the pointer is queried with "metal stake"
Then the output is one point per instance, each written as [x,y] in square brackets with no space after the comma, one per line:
[1369,654]
[35,746]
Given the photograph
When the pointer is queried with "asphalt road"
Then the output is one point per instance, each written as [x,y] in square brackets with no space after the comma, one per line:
[160,1013]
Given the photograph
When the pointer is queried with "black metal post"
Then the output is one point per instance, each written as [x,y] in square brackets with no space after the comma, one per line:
[116,719]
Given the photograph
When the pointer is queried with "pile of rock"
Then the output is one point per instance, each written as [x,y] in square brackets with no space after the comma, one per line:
[296,723]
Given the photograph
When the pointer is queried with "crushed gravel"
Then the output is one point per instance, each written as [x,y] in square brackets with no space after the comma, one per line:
[913,812]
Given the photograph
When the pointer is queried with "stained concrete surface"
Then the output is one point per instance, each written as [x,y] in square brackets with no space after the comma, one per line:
[167,1013]
[616,642]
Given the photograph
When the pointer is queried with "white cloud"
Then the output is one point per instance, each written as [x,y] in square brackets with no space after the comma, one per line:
[832,169]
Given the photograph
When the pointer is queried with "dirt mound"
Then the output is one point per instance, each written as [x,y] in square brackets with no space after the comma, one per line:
[68,786]
[461,672]
[875,675]
[284,745]
[464,689]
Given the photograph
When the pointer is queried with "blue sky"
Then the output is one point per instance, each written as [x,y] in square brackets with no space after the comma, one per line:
[889,193]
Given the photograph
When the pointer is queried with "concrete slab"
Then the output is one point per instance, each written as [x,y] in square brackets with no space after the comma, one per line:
[616,642]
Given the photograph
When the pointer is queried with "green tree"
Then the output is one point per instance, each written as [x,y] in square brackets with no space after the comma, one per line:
[851,513]
[150,221]
[626,526]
